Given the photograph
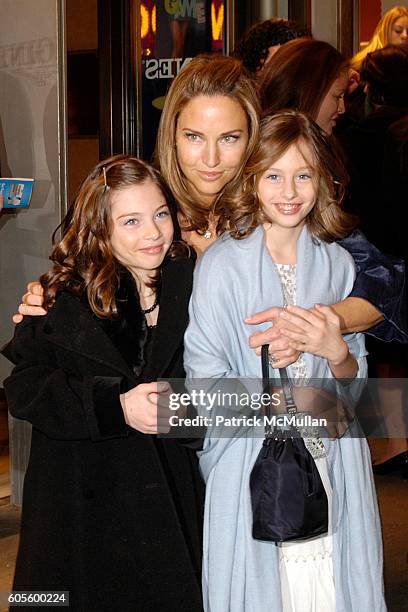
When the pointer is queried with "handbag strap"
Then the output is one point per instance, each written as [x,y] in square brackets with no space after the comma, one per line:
[287,391]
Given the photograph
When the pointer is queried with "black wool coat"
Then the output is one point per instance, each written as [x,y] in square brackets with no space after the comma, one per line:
[110,514]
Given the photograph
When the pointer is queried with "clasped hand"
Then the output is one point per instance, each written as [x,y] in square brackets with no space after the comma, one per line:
[146,407]
[295,330]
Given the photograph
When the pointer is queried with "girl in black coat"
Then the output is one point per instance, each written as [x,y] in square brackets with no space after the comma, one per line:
[111,513]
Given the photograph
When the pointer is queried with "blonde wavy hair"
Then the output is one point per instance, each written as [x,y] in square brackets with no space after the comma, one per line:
[381,37]
[206,75]
[241,210]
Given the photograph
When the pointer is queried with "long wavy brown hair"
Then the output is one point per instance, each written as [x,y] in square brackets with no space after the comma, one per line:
[299,76]
[206,75]
[241,211]
[84,263]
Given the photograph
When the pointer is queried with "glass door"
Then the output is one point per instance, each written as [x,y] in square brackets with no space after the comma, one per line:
[143,44]
[168,35]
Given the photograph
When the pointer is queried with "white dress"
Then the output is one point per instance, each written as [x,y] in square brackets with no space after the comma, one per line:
[306,568]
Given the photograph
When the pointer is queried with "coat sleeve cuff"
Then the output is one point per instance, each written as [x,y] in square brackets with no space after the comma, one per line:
[195,441]
[105,414]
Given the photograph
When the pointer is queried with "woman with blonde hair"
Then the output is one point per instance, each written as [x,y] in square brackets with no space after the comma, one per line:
[222,128]
[392,29]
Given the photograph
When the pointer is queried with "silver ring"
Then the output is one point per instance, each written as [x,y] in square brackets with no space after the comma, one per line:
[273,359]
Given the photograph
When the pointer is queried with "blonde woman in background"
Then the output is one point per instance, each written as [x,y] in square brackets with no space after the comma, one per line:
[392,29]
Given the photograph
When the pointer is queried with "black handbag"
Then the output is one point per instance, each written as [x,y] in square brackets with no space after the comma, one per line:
[287,494]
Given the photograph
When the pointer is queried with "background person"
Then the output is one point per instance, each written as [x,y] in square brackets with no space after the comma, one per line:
[384,75]
[262,40]
[306,75]
[376,155]
[392,29]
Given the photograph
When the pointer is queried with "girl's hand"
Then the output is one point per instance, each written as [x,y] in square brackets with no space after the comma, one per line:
[31,302]
[320,335]
[280,352]
[142,410]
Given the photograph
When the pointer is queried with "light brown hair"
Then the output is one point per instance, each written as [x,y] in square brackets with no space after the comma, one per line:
[299,76]
[206,75]
[241,211]
[84,263]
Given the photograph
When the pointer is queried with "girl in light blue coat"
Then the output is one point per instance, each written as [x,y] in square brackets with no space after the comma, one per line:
[280,248]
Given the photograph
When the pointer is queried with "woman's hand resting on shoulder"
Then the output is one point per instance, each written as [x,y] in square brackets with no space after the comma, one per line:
[319,333]
[31,302]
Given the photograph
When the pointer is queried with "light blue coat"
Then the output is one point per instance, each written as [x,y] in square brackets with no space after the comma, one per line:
[233,280]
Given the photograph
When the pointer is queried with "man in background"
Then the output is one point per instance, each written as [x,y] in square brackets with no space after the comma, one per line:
[263,39]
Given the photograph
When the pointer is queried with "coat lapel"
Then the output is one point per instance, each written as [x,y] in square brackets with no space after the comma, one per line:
[177,283]
[78,331]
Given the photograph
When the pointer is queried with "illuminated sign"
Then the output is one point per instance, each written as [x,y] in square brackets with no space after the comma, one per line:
[170,33]
[147,20]
[217,21]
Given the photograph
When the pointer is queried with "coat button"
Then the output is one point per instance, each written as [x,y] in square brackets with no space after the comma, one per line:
[88,494]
